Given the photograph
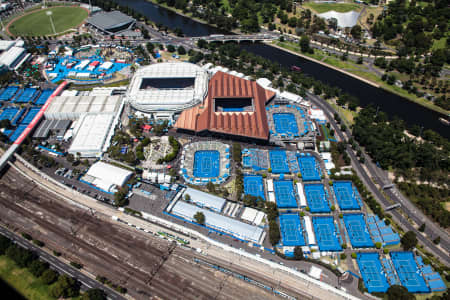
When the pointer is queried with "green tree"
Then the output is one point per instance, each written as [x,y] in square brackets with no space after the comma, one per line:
[304,43]
[398,292]
[49,276]
[356,32]
[298,253]
[422,227]
[5,243]
[437,240]
[94,294]
[38,267]
[199,217]
[409,240]
[65,287]
[181,50]
[171,48]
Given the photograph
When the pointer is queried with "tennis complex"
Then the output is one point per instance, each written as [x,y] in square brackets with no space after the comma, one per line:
[408,272]
[316,198]
[372,272]
[291,230]
[253,185]
[309,168]
[278,161]
[347,195]
[357,231]
[284,194]
[327,234]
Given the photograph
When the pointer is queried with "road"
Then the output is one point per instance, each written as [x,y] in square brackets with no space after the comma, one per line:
[61,267]
[408,209]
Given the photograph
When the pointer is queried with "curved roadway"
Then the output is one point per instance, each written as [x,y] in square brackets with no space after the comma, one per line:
[410,210]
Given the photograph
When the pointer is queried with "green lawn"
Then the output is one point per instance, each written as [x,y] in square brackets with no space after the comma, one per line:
[38,23]
[439,44]
[339,7]
[23,281]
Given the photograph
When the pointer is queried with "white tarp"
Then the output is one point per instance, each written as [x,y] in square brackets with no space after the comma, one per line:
[269,185]
[311,238]
[348,19]
[301,195]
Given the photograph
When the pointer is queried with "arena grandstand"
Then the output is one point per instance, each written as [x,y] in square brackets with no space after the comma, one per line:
[112,22]
[287,122]
[203,162]
[256,159]
[234,108]
[165,89]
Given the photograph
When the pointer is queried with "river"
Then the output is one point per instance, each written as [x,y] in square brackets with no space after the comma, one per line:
[390,103]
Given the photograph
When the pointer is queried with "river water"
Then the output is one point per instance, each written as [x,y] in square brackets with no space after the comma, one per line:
[388,102]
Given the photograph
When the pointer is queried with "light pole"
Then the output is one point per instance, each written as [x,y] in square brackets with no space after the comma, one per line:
[49,14]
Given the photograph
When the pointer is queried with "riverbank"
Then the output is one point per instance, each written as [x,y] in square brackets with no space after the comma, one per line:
[366,77]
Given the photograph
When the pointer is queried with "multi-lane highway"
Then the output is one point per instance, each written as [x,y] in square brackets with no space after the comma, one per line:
[408,209]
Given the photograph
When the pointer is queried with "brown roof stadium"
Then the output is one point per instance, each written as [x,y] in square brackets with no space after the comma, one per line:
[203,119]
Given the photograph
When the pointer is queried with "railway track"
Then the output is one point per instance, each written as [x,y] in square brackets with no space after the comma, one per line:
[120,254]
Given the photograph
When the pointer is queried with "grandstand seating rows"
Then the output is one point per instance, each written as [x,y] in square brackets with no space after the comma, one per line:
[381,232]
[255,158]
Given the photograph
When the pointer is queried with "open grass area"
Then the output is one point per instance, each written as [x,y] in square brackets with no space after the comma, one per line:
[339,7]
[23,281]
[38,23]
[296,48]
[439,44]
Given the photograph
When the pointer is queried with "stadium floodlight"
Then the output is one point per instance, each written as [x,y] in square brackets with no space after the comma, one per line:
[49,14]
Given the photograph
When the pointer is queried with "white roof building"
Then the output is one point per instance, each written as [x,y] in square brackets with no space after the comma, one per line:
[301,195]
[291,97]
[13,57]
[311,238]
[253,216]
[169,87]
[264,82]
[73,107]
[205,200]
[107,177]
[92,135]
[221,223]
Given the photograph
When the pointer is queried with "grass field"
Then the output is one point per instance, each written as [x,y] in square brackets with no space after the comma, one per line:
[38,23]
[339,7]
[23,281]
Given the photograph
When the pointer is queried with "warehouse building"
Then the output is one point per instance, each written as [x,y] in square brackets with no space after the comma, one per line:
[218,222]
[165,89]
[112,22]
[73,107]
[14,57]
[106,177]
[93,135]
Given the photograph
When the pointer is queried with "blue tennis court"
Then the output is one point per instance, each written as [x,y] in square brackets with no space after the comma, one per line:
[253,185]
[408,272]
[206,163]
[372,272]
[8,93]
[26,96]
[43,97]
[9,113]
[278,161]
[357,231]
[285,123]
[309,168]
[347,196]
[284,194]
[17,132]
[18,117]
[316,198]
[326,234]
[30,115]
[291,230]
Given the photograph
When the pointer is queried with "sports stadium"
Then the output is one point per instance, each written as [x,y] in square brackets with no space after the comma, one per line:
[204,162]
[165,89]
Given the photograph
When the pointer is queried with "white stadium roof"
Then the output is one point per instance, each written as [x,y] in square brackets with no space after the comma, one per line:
[205,200]
[216,221]
[106,176]
[347,19]
[168,99]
